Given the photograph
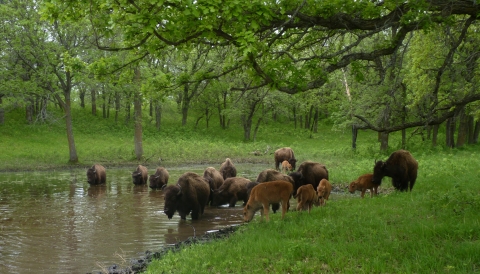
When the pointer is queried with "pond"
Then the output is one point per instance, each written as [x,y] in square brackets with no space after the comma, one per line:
[55,222]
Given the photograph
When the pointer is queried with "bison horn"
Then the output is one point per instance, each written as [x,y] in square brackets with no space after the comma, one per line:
[179,190]
[164,186]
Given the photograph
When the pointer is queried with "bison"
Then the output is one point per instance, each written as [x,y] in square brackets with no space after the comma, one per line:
[265,194]
[140,175]
[309,173]
[190,194]
[306,196]
[96,175]
[159,179]
[269,175]
[401,167]
[323,191]
[214,179]
[227,169]
[363,183]
[231,191]
[286,166]
[284,154]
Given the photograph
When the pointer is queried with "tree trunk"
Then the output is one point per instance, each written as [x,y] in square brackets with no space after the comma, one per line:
[158,115]
[435,135]
[93,94]
[137,105]
[185,105]
[68,118]
[354,136]
[476,132]
[383,141]
[462,136]
[82,97]
[247,127]
[29,110]
[471,129]
[257,126]
[450,132]
[117,106]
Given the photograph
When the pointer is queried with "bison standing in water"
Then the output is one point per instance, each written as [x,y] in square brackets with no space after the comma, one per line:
[232,190]
[214,179]
[96,175]
[227,169]
[140,175]
[190,194]
[401,167]
[159,179]
[309,173]
[284,154]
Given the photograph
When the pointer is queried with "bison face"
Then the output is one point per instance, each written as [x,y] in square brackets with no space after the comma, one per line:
[155,182]
[137,177]
[172,200]
[379,172]
[248,213]
[352,187]
[219,197]
[91,175]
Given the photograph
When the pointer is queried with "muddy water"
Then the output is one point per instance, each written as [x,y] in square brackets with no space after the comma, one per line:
[54,222]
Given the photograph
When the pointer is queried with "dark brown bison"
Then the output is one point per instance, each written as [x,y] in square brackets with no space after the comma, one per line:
[231,191]
[190,194]
[401,167]
[363,183]
[323,191]
[309,173]
[269,175]
[96,175]
[227,169]
[140,175]
[306,196]
[284,154]
[159,179]
[265,194]
[214,179]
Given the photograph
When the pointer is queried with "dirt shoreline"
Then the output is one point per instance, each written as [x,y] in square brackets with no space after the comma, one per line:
[140,264]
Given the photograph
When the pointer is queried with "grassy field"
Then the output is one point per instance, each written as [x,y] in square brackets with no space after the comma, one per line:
[433,229]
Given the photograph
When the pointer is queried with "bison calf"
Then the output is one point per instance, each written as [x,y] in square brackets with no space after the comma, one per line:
[306,196]
[96,175]
[140,175]
[286,166]
[323,191]
[363,183]
[265,194]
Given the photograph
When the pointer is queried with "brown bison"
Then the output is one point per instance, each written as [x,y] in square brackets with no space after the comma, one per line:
[309,173]
[96,175]
[231,191]
[265,194]
[284,154]
[401,167]
[323,191]
[286,166]
[306,196]
[214,179]
[190,194]
[159,179]
[269,175]
[140,175]
[363,183]
[227,169]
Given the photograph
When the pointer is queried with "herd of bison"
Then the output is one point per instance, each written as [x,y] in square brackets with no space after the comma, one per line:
[309,184]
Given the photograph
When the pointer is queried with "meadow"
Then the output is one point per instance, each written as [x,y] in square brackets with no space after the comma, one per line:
[433,229]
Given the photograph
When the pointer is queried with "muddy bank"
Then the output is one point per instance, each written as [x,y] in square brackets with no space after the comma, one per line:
[140,264]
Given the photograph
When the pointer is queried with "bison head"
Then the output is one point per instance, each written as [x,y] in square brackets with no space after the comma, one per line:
[248,213]
[172,198]
[155,182]
[379,171]
[292,162]
[219,197]
[91,175]
[352,187]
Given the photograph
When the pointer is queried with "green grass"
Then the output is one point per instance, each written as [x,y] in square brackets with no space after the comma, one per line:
[433,229]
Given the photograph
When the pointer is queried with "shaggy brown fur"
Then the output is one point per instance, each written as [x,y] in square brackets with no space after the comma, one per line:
[401,167]
[284,154]
[306,196]
[269,175]
[231,191]
[309,173]
[227,169]
[96,175]
[214,179]
[159,179]
[323,191]
[140,175]
[265,194]
[190,194]
[363,183]
[286,166]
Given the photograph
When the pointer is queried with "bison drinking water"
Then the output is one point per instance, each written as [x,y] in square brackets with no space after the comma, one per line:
[231,191]
[159,179]
[363,183]
[96,175]
[284,154]
[306,196]
[227,169]
[265,194]
[401,167]
[140,175]
[190,194]
[269,175]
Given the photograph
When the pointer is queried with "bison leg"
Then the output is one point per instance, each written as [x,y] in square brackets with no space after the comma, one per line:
[363,193]
[233,201]
[275,207]
[265,211]
[284,207]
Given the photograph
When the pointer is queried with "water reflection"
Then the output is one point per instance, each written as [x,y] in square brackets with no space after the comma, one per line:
[54,222]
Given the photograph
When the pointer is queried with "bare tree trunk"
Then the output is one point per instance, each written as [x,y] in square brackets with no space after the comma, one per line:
[158,115]
[471,129]
[476,132]
[435,135]
[67,89]
[462,136]
[383,141]
[137,105]
[450,132]
[94,101]
[117,106]
[354,136]
[29,110]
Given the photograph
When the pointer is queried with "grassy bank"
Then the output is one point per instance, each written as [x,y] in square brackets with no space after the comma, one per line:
[434,229]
